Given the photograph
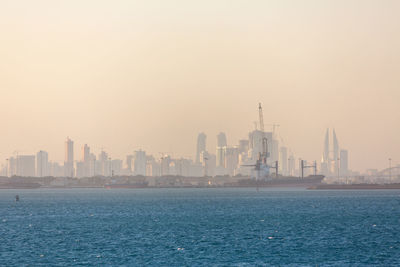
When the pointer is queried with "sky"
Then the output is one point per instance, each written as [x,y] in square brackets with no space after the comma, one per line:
[127,75]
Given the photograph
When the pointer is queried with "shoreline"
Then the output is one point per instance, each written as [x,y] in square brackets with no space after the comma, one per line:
[307,187]
[355,187]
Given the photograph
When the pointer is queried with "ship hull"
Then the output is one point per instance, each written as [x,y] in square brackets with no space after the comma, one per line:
[284,181]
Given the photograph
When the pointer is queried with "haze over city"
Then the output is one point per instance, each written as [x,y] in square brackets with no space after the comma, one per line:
[199,133]
[152,75]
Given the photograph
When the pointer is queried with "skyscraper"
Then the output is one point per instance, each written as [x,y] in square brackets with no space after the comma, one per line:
[344,162]
[69,158]
[274,152]
[335,152]
[325,155]
[12,167]
[116,167]
[85,153]
[221,144]
[26,165]
[129,159]
[42,164]
[291,165]
[86,159]
[221,140]
[220,157]
[164,165]
[105,164]
[55,169]
[231,155]
[201,146]
[152,166]
[283,161]
[256,145]
[325,162]
[80,169]
[243,146]
[330,162]
[139,164]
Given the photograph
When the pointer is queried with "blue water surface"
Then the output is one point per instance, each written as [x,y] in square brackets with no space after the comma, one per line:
[191,227]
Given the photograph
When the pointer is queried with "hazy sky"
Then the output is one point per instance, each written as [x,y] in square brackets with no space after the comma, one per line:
[151,74]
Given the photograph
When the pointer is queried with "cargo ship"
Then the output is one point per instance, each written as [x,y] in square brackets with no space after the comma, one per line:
[281,181]
[262,175]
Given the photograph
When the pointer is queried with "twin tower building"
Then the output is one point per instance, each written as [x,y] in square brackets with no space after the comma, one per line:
[334,160]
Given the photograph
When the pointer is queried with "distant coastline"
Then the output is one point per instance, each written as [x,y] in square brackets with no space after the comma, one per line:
[131,182]
[17,182]
[355,186]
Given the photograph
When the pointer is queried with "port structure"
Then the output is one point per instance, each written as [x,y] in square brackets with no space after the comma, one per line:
[264,154]
[390,172]
[261,162]
[205,160]
[303,166]
[276,168]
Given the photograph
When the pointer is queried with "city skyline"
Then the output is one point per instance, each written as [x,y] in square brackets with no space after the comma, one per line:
[229,159]
[328,154]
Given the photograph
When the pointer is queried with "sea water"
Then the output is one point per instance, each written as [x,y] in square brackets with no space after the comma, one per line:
[191,227]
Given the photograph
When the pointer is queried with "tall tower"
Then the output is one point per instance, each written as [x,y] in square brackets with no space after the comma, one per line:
[331,162]
[69,150]
[325,156]
[201,146]
[69,158]
[104,164]
[283,160]
[221,144]
[344,162]
[86,160]
[42,164]
[221,140]
[26,165]
[139,164]
[326,162]
[335,153]
[85,153]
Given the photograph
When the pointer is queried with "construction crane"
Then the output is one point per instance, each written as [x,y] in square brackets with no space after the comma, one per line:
[264,153]
[261,165]
[261,117]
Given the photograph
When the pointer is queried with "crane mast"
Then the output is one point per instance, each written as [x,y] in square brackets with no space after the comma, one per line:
[261,117]
[264,154]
